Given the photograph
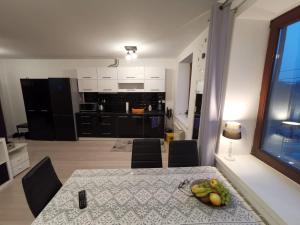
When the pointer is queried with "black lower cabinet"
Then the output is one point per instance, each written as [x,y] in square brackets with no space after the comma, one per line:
[120,125]
[40,125]
[154,126]
[87,124]
[107,126]
[64,126]
[130,126]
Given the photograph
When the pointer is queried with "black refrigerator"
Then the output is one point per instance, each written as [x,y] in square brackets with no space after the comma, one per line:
[50,106]
[64,105]
[38,109]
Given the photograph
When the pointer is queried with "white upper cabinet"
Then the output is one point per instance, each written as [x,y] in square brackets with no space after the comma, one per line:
[107,85]
[131,73]
[107,73]
[154,85]
[154,73]
[87,85]
[121,79]
[87,73]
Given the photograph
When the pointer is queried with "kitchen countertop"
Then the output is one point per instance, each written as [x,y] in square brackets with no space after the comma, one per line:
[160,113]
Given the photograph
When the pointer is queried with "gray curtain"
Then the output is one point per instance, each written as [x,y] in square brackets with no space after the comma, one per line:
[218,48]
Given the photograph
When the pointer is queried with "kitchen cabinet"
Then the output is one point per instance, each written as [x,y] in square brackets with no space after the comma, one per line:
[154,126]
[87,124]
[131,73]
[154,85]
[130,126]
[107,126]
[87,73]
[154,73]
[107,73]
[88,85]
[107,85]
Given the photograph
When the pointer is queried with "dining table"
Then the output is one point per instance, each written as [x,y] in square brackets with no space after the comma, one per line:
[143,196]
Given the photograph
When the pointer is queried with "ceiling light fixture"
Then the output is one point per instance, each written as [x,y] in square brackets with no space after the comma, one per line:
[131,52]
[128,56]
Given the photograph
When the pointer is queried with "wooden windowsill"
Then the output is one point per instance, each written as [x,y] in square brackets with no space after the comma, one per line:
[273,195]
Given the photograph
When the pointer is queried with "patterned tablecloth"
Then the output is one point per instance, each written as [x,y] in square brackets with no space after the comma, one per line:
[141,196]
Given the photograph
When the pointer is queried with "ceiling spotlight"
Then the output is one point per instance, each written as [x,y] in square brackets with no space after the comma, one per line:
[128,56]
[131,52]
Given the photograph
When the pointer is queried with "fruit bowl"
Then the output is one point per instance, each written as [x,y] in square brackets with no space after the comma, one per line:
[211,192]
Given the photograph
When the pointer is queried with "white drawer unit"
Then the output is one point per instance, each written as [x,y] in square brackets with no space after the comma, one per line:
[20,168]
[154,85]
[154,73]
[131,73]
[107,85]
[19,159]
[107,73]
[87,73]
[88,85]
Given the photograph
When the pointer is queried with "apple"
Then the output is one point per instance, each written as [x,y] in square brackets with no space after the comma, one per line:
[213,183]
[215,199]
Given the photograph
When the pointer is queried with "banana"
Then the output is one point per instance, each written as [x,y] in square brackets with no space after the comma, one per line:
[203,194]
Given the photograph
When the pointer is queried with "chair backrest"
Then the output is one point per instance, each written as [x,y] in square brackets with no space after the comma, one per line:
[183,153]
[146,153]
[40,185]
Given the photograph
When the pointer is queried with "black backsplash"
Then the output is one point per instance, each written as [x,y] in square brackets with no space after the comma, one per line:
[116,102]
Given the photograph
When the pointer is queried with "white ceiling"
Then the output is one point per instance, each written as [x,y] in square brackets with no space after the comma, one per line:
[99,28]
[267,9]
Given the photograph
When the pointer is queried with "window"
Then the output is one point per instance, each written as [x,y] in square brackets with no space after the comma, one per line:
[277,136]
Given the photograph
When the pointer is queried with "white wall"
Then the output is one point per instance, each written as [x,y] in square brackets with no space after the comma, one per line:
[182,94]
[246,64]
[12,70]
[197,47]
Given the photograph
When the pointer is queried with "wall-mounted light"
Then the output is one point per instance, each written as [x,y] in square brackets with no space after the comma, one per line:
[131,52]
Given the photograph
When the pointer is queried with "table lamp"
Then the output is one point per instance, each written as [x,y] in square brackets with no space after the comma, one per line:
[232,131]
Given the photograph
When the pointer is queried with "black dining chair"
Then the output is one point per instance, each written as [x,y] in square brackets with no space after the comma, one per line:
[146,153]
[183,153]
[40,185]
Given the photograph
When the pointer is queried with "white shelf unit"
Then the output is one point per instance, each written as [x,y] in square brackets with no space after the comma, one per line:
[19,159]
[4,159]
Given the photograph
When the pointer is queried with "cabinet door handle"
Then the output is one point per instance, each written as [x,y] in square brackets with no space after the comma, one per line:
[136,117]
[87,89]
[85,123]
[122,116]
[155,77]
[86,77]
[106,124]
[106,77]
[44,110]
[130,77]
[31,110]
[106,116]
[86,133]
[85,117]
[106,133]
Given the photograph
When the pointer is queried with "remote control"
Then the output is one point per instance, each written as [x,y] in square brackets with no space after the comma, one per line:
[82,199]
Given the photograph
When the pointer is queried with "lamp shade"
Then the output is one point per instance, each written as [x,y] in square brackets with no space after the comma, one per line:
[232,130]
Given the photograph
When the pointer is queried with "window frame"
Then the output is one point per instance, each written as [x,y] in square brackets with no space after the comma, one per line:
[275,26]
